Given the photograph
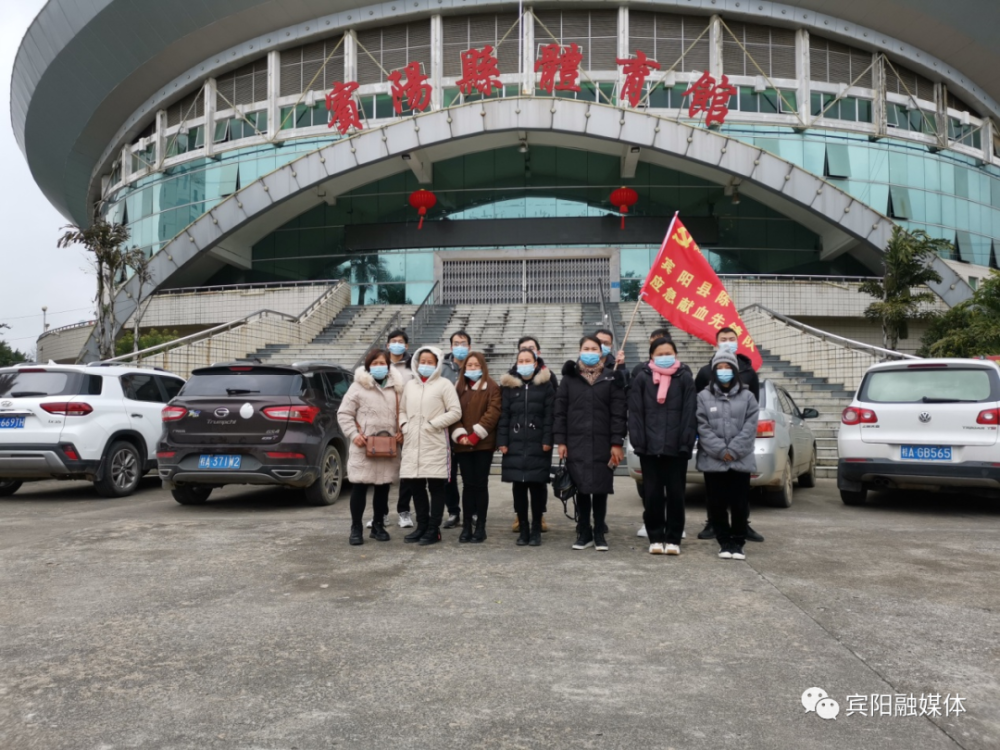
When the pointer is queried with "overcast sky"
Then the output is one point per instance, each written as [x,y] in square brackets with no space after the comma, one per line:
[33,271]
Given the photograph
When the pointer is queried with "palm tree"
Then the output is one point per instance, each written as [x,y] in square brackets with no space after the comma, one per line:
[105,241]
[901,291]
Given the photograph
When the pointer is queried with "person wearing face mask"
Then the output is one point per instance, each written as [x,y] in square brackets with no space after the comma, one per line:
[397,342]
[591,419]
[661,427]
[525,439]
[371,407]
[428,407]
[474,440]
[727,340]
[614,361]
[460,344]
[727,434]
[531,344]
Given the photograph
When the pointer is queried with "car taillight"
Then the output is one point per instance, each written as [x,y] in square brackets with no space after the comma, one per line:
[853,415]
[291,456]
[765,428]
[69,450]
[68,408]
[166,454]
[173,413]
[988,416]
[292,413]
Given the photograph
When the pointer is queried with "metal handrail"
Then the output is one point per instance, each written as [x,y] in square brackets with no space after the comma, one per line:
[419,318]
[240,287]
[71,326]
[223,327]
[379,337]
[830,337]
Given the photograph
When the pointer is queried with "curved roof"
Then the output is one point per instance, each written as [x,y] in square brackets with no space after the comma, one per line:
[85,66]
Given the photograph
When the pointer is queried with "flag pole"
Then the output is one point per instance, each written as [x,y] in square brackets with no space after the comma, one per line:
[639,300]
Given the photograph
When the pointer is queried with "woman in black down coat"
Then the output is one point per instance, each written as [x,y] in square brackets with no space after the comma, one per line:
[662,425]
[524,437]
[591,419]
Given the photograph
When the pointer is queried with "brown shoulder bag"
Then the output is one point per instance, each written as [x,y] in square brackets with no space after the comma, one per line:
[382,445]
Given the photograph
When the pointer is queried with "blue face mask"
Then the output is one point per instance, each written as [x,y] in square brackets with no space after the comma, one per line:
[460,352]
[605,350]
[664,362]
[728,346]
[724,376]
[379,372]
[426,370]
[473,375]
[397,349]
[525,371]
[590,358]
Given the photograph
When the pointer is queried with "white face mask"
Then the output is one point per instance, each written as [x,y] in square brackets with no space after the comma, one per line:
[728,346]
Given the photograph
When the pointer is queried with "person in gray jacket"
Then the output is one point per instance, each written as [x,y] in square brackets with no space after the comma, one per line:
[727,434]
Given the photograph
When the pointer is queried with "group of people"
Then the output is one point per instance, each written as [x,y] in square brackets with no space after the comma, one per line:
[447,417]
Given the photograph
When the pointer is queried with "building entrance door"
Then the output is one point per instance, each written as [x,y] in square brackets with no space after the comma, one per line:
[478,278]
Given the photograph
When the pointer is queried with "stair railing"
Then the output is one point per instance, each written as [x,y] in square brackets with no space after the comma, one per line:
[379,339]
[418,321]
[608,316]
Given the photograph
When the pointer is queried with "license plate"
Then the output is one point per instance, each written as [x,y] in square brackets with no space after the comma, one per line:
[12,423]
[219,462]
[925,453]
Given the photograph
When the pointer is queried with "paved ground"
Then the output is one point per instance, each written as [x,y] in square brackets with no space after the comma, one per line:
[250,623]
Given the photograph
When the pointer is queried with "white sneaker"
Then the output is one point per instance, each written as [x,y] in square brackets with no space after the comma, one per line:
[684,535]
[725,554]
[405,520]
[671,549]
[655,548]
[738,553]
[385,522]
[645,535]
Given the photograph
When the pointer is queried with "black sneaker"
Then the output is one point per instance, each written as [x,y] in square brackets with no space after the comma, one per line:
[708,532]
[584,538]
[753,536]
[737,550]
[357,534]
[600,543]
[452,520]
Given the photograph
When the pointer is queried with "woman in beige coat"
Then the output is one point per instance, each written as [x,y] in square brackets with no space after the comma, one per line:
[429,406]
[370,407]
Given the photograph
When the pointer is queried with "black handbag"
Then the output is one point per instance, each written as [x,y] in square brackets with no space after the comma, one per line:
[564,489]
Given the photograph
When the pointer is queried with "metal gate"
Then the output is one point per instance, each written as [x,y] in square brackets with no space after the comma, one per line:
[524,280]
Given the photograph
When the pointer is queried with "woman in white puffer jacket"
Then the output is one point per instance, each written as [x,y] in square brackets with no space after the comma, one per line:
[429,406]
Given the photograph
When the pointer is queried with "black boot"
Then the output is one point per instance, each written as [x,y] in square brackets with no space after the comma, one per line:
[431,536]
[584,536]
[480,534]
[535,538]
[357,535]
[466,536]
[417,534]
[525,531]
[378,532]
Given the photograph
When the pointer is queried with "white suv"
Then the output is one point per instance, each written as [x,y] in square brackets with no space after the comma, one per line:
[99,423]
[928,424]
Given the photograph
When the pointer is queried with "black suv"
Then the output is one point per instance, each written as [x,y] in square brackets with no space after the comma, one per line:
[243,423]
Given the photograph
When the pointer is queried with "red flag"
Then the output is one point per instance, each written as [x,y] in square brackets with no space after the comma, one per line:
[684,289]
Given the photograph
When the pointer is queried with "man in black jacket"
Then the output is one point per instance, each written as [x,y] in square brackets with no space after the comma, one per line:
[727,340]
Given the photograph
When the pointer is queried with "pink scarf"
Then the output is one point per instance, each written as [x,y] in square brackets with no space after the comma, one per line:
[662,378]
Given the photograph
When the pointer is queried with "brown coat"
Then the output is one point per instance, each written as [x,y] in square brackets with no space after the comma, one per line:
[481,402]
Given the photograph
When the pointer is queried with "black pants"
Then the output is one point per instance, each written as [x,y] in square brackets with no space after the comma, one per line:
[475,469]
[728,494]
[427,512]
[663,482]
[584,504]
[359,500]
[538,493]
[451,496]
[405,494]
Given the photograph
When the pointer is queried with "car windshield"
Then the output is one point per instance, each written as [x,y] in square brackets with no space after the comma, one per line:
[38,383]
[225,382]
[944,385]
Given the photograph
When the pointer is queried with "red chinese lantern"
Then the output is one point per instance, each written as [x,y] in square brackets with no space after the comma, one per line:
[624,197]
[422,200]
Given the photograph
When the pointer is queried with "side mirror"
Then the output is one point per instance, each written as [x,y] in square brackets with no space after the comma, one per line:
[809,414]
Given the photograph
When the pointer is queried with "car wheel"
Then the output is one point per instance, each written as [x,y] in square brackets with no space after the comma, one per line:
[8,487]
[191,495]
[638,488]
[808,479]
[850,497]
[326,489]
[782,497]
[122,471]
